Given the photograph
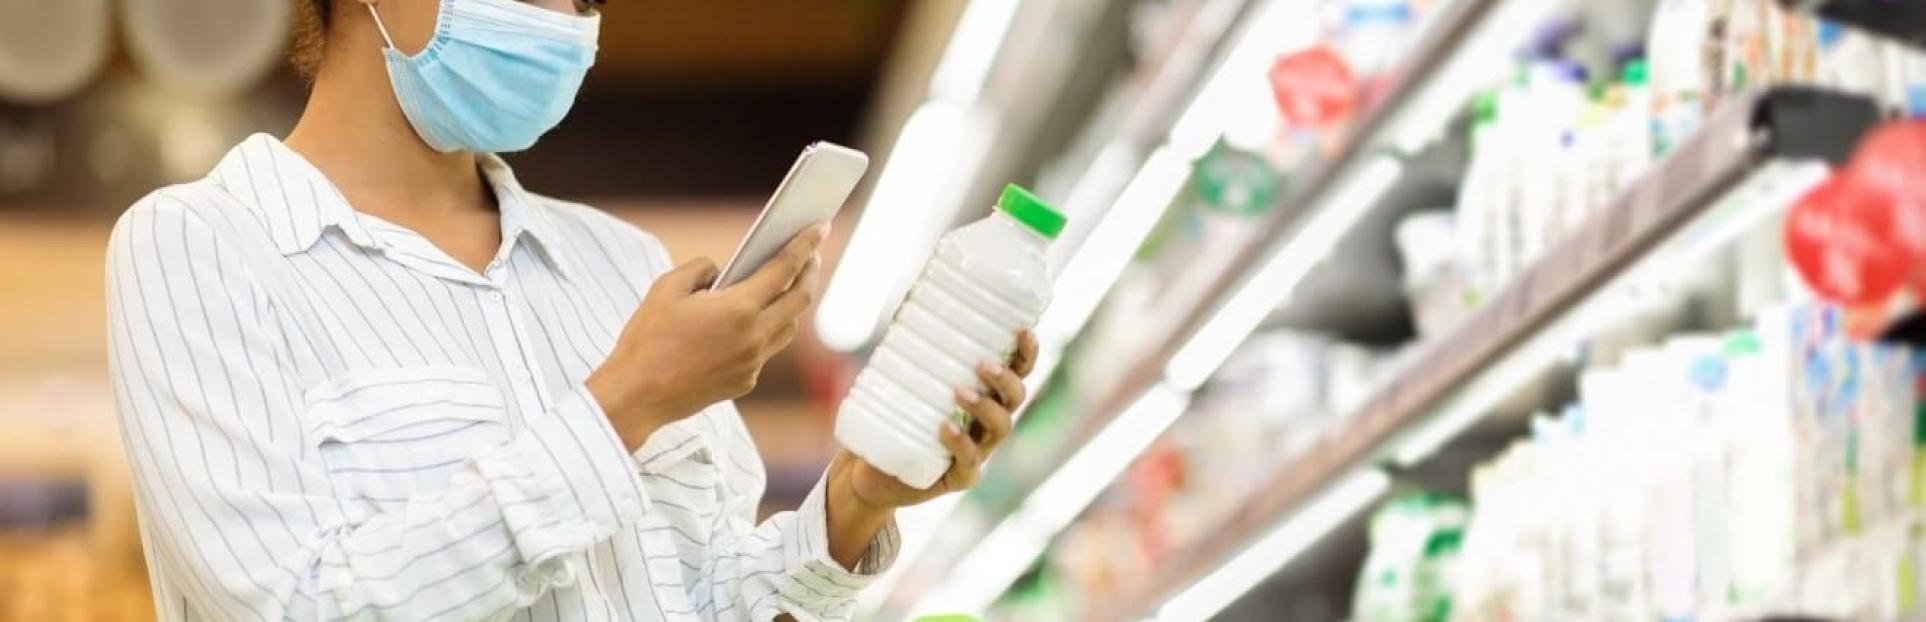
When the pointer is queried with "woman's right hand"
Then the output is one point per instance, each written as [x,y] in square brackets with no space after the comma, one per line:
[688,346]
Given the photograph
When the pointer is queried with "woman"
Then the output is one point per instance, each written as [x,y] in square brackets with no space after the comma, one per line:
[364,374]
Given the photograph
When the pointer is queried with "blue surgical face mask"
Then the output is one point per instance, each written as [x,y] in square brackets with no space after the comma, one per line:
[496,76]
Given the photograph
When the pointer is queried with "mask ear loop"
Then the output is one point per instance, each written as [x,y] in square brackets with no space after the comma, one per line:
[382,27]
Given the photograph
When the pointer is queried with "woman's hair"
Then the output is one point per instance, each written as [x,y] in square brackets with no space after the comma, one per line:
[311,22]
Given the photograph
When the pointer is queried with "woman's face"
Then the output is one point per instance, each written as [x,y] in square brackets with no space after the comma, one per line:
[412,22]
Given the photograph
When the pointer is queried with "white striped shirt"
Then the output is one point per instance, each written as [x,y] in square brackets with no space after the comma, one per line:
[329,418]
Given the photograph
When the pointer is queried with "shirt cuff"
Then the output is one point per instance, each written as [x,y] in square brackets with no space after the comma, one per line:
[565,483]
[818,583]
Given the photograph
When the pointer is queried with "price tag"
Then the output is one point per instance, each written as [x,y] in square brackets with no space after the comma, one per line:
[1839,238]
[1890,162]
[1314,88]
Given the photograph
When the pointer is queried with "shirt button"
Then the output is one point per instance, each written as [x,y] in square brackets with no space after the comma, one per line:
[520,375]
[494,296]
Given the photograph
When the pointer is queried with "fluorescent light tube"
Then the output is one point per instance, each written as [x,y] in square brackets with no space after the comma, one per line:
[1101,260]
[1240,78]
[1262,292]
[972,50]
[1014,544]
[1481,62]
[917,193]
[1092,198]
[1217,590]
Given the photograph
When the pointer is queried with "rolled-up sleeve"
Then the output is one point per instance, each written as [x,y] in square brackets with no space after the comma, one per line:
[783,566]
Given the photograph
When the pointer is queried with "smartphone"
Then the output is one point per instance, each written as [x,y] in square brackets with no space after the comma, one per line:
[816,187]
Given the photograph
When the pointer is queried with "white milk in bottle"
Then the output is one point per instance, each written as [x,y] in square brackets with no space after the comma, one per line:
[987,281]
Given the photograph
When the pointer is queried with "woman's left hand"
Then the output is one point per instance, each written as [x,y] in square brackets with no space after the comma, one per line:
[989,412]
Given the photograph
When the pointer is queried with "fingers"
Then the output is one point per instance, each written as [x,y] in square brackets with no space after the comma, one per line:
[791,303]
[990,416]
[1004,385]
[783,337]
[775,277]
[966,461]
[966,466]
[1025,360]
[692,276]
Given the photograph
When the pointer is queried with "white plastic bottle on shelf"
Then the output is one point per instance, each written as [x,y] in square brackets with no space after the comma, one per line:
[1475,195]
[986,281]
[1374,34]
[1677,49]
[1633,150]
[1555,97]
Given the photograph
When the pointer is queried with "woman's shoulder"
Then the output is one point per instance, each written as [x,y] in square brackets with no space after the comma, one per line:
[192,236]
[195,209]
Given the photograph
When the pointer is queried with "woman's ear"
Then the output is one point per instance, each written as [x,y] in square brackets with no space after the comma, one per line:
[409,23]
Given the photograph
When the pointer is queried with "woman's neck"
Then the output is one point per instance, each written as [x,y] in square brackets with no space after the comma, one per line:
[353,130]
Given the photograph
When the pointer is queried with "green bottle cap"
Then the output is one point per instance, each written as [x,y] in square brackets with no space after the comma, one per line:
[1026,208]
[1235,181]
[1484,108]
[1636,73]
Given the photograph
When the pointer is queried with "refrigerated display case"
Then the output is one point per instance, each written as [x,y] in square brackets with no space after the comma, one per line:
[1161,477]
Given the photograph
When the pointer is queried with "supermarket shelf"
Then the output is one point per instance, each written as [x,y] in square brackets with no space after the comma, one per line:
[1450,32]
[1466,35]
[1457,23]
[1903,20]
[1780,125]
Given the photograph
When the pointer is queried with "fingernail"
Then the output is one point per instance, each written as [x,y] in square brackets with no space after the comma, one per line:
[950,428]
[992,368]
[968,397]
[823,230]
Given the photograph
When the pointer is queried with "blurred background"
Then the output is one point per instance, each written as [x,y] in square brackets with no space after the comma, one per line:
[1347,294]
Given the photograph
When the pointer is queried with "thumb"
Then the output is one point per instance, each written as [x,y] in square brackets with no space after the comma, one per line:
[694,275]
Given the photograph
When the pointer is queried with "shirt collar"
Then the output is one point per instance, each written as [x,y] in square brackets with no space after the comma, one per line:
[297,204]
[525,214]
[294,201]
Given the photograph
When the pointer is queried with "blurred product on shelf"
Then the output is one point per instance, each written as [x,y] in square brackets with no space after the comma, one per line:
[1373,37]
[1277,397]
[1766,471]
[1550,146]
[1231,190]
[1410,572]
[1435,283]
[1236,185]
